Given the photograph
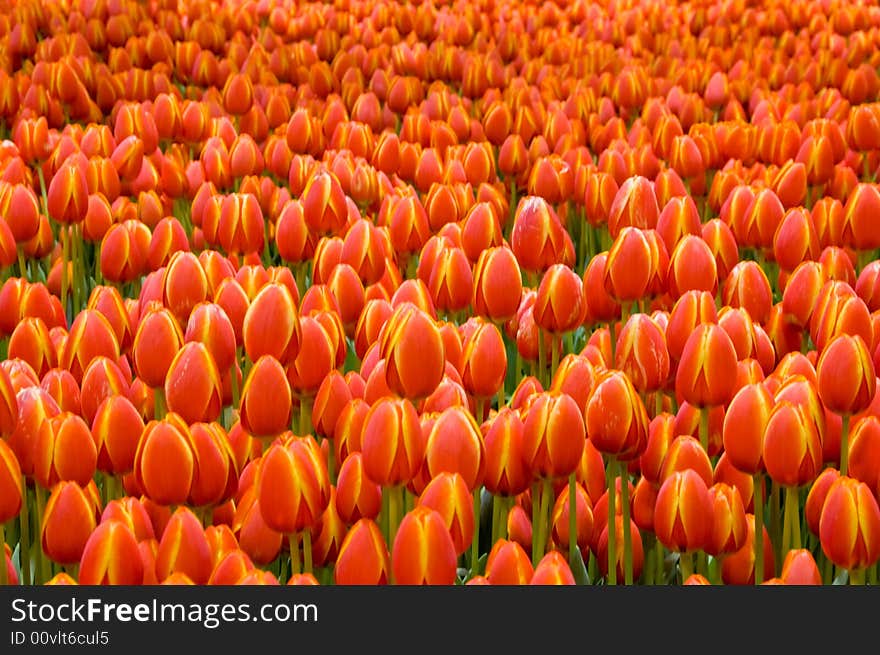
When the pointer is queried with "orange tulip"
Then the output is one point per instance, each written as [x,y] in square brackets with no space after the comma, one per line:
[64,450]
[164,461]
[111,557]
[184,549]
[392,442]
[702,377]
[411,336]
[616,419]
[508,564]
[641,353]
[69,519]
[683,516]
[271,325]
[192,385]
[849,526]
[266,399]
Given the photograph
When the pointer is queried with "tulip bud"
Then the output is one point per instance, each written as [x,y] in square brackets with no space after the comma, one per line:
[69,518]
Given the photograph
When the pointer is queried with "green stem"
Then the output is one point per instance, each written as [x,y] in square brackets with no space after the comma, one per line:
[572,517]
[233,382]
[792,515]
[627,530]
[554,356]
[65,256]
[612,527]
[307,550]
[844,444]
[759,527]
[24,546]
[305,416]
[704,429]
[475,542]
[686,565]
[4,578]
[295,566]
[42,560]
[660,562]
[546,502]
[22,265]
[857,576]
[160,409]
[383,515]
[536,518]
[395,504]
[775,521]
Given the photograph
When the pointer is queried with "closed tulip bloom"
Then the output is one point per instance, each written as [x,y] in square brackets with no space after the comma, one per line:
[616,418]
[634,205]
[692,266]
[539,238]
[839,311]
[322,342]
[271,325]
[799,568]
[193,387]
[209,324]
[156,343]
[357,497]
[729,520]
[506,470]
[599,304]
[497,284]
[10,483]
[117,427]
[849,527]
[641,353]
[68,194]
[792,450]
[257,540]
[414,352]
[392,443]
[745,420]
[553,435]
[215,478]
[508,564]
[575,376]
[691,310]
[184,549]
[795,240]
[601,547]
[801,292]
[448,494]
[704,375]
[266,399]
[111,557]
[484,359]
[559,301]
[68,521]
[552,570]
[629,267]
[559,519]
[64,450]
[8,405]
[35,407]
[845,374]
[164,461]
[860,231]
[293,487]
[363,558]
[91,336]
[864,451]
[683,516]
[455,445]
[686,453]
[739,568]
[747,286]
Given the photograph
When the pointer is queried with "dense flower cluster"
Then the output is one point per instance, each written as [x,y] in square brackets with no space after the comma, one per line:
[489,292]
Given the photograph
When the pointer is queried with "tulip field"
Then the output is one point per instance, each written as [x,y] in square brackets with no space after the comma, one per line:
[453,293]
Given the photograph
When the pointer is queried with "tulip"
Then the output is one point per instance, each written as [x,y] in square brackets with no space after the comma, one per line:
[184,549]
[363,557]
[192,385]
[68,521]
[846,383]
[411,336]
[356,496]
[484,362]
[538,238]
[64,450]
[266,400]
[164,461]
[497,284]
[849,526]
[257,540]
[739,567]
[271,325]
[293,491]
[683,516]
[799,568]
[423,550]
[642,354]
[110,556]
[508,564]
[702,377]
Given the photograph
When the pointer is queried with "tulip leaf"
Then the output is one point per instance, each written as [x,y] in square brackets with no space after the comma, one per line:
[842,578]
[16,561]
[578,568]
